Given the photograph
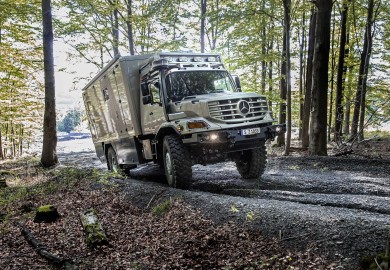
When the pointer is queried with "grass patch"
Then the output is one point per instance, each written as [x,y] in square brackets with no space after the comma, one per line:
[379,134]
[162,208]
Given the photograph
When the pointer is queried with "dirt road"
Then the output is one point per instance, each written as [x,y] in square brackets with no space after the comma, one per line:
[338,206]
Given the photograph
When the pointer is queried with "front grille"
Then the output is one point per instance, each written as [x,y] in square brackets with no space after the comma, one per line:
[228,110]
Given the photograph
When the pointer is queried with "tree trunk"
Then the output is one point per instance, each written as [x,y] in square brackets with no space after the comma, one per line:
[270,76]
[369,37]
[1,143]
[214,27]
[263,53]
[21,133]
[287,6]
[347,114]
[263,62]
[49,152]
[129,24]
[341,72]
[363,70]
[281,140]
[203,9]
[333,66]
[309,70]
[318,142]
[115,29]
[301,71]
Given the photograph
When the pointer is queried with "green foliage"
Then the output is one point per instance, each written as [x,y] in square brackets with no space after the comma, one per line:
[378,134]
[250,216]
[71,120]
[162,208]
[20,84]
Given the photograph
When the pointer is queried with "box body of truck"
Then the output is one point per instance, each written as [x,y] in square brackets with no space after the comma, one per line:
[177,110]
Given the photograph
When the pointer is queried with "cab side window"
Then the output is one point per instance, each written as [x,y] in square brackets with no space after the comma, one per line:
[154,91]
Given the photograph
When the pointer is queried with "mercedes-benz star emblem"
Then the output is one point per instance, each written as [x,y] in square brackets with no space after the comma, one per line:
[243,107]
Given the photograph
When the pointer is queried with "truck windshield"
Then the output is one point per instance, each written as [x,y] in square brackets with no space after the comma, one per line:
[182,84]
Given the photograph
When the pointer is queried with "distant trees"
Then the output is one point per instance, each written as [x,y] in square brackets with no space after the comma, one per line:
[71,120]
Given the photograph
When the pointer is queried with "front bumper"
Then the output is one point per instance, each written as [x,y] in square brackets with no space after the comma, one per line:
[233,139]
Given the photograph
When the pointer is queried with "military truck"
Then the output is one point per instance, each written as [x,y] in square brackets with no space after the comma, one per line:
[176,109]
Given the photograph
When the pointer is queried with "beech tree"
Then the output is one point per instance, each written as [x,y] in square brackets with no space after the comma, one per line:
[203,9]
[287,18]
[365,56]
[309,70]
[319,86]
[49,148]
[341,71]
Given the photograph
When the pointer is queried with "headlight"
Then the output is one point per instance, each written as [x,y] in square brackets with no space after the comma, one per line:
[213,137]
[210,137]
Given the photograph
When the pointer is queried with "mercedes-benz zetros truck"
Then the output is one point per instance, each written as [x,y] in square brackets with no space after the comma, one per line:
[176,110]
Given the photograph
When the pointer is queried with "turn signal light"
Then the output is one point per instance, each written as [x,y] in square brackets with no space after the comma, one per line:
[193,125]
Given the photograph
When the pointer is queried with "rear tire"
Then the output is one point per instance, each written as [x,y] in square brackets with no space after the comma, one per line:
[251,163]
[112,160]
[177,162]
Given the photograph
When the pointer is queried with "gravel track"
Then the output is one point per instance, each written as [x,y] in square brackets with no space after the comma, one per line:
[338,206]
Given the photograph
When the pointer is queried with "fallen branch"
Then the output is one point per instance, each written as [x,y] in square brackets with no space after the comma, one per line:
[95,234]
[343,153]
[153,197]
[41,249]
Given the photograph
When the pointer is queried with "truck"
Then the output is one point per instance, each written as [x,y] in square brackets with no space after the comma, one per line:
[177,109]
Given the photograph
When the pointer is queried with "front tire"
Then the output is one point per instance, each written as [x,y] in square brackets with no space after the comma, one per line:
[177,162]
[251,163]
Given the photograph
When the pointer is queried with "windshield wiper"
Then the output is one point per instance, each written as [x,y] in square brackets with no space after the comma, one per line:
[216,91]
[188,97]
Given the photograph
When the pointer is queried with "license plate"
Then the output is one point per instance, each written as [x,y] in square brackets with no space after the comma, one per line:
[250,131]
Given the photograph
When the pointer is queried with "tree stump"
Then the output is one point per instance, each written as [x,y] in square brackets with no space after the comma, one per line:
[3,183]
[46,213]
[3,178]
[94,232]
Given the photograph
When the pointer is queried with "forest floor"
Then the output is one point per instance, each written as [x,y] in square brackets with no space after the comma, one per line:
[304,213]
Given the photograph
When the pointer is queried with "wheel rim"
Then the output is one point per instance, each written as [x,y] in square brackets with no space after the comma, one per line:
[168,167]
[114,165]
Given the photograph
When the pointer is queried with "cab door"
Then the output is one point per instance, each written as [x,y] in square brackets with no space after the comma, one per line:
[153,113]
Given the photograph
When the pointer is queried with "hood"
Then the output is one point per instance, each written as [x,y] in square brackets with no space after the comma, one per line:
[223,107]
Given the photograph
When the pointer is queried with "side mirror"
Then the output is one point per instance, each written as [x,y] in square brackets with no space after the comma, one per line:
[146,99]
[144,89]
[238,83]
